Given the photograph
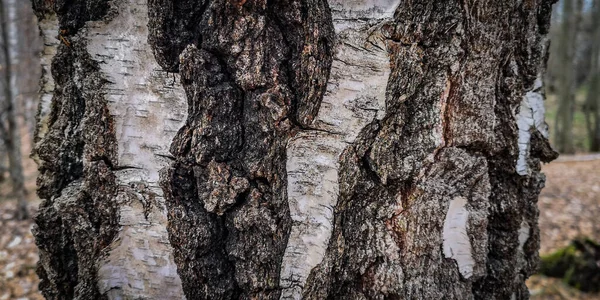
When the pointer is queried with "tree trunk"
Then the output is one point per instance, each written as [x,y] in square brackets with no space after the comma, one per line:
[12,134]
[566,93]
[26,46]
[592,107]
[330,149]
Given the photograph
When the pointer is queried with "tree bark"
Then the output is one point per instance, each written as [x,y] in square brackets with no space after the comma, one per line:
[330,149]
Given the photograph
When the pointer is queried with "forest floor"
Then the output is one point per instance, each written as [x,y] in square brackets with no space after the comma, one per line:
[569,208]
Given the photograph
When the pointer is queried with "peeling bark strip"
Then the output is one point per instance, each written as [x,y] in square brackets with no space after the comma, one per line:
[456,239]
[102,226]
[254,73]
[532,124]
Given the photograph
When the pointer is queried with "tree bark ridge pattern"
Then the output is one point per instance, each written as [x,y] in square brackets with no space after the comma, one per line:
[434,195]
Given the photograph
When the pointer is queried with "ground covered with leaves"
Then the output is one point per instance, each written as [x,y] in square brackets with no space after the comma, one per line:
[18,256]
[569,209]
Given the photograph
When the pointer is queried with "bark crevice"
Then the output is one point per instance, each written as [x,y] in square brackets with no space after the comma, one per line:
[252,71]
[447,76]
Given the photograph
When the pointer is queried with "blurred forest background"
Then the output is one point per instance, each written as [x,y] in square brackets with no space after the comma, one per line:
[569,205]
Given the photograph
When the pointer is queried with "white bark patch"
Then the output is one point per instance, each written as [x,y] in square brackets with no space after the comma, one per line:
[355,97]
[456,240]
[347,13]
[530,117]
[49,30]
[148,106]
[140,263]
[523,237]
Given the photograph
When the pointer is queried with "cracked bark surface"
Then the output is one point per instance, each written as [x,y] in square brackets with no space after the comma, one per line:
[253,78]
[101,228]
[373,149]
[449,132]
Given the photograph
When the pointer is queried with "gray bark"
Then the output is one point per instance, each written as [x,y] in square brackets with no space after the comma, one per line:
[330,150]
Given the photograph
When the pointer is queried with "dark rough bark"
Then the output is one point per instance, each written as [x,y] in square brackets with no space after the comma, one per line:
[78,215]
[256,72]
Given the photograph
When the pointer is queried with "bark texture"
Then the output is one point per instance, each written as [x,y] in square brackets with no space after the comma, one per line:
[101,228]
[375,149]
[459,73]
[254,75]
[78,217]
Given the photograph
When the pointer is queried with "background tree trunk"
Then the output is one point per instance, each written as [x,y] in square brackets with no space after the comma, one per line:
[592,107]
[26,46]
[571,15]
[330,149]
[11,134]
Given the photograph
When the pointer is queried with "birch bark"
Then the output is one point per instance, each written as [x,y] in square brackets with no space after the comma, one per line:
[305,149]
